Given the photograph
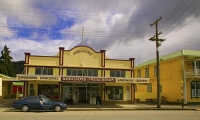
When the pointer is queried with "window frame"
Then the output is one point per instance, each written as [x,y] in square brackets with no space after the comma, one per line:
[82,72]
[138,73]
[117,73]
[149,88]
[43,71]
[196,89]
[146,73]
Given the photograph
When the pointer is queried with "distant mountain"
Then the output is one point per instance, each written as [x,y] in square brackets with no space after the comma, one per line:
[18,67]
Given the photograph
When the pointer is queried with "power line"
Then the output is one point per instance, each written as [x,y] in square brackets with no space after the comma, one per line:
[180,15]
[186,23]
[186,17]
[172,14]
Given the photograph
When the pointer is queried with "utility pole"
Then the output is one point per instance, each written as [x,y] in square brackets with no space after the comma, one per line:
[158,43]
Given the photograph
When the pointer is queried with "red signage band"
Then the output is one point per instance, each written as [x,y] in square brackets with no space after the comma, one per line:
[87,79]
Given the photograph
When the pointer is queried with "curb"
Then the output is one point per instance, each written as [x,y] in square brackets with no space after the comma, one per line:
[13,110]
[113,109]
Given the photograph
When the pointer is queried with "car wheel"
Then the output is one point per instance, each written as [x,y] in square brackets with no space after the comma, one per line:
[25,108]
[57,108]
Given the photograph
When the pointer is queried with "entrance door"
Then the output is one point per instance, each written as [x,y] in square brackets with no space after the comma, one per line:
[79,94]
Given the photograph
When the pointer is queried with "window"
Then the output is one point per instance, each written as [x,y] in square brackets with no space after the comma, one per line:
[33,99]
[49,90]
[82,72]
[38,71]
[146,72]
[139,73]
[117,73]
[195,89]
[149,88]
[155,71]
[31,90]
[43,71]
[114,92]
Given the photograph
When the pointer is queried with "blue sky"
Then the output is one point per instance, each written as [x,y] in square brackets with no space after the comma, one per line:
[122,27]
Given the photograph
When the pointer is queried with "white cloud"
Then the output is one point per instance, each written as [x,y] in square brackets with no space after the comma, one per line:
[24,12]
[19,46]
[121,28]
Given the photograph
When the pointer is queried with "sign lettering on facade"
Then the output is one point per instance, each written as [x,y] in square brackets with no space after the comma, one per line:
[36,77]
[87,79]
[82,50]
[132,80]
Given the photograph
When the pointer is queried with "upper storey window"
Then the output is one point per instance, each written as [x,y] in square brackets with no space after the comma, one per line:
[117,73]
[82,72]
[43,71]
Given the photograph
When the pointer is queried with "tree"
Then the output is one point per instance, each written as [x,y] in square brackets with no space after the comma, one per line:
[6,66]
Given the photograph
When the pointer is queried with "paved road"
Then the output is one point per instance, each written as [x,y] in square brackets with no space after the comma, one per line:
[101,115]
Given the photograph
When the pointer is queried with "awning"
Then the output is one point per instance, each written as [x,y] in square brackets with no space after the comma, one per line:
[18,83]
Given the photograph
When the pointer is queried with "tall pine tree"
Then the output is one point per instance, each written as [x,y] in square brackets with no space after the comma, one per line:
[6,66]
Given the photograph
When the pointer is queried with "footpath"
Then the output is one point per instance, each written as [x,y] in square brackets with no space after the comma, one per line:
[7,105]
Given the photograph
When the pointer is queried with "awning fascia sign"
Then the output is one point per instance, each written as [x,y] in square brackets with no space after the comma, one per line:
[132,80]
[24,77]
[37,77]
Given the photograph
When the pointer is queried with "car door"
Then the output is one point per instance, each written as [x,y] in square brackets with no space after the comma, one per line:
[33,102]
[47,103]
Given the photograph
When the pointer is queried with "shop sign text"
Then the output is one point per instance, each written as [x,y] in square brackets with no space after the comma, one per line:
[36,77]
[87,79]
[133,80]
[82,50]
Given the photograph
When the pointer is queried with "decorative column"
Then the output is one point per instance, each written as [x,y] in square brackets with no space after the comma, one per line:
[132,75]
[61,59]
[27,55]
[103,74]
[25,89]
[60,91]
[132,66]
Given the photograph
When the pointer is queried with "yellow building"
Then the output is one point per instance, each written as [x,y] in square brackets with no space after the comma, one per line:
[178,70]
[81,72]
[5,85]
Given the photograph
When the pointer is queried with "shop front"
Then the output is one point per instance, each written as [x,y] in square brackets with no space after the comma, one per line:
[82,89]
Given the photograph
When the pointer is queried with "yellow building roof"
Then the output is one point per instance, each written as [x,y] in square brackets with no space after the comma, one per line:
[189,53]
[4,76]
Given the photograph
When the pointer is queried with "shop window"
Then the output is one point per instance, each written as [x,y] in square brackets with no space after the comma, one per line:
[48,90]
[114,92]
[139,73]
[82,72]
[31,90]
[43,71]
[149,88]
[146,72]
[195,89]
[155,71]
[117,73]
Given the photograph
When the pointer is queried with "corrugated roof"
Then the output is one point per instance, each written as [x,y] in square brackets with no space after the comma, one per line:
[192,53]
[4,76]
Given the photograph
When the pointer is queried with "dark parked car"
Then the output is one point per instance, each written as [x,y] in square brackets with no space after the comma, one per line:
[33,103]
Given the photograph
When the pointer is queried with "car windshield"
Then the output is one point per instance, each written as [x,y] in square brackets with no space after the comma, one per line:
[45,99]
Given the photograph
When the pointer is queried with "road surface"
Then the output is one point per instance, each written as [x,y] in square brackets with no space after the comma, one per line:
[101,115]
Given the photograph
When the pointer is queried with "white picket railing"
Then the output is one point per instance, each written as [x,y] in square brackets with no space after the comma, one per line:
[193,72]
